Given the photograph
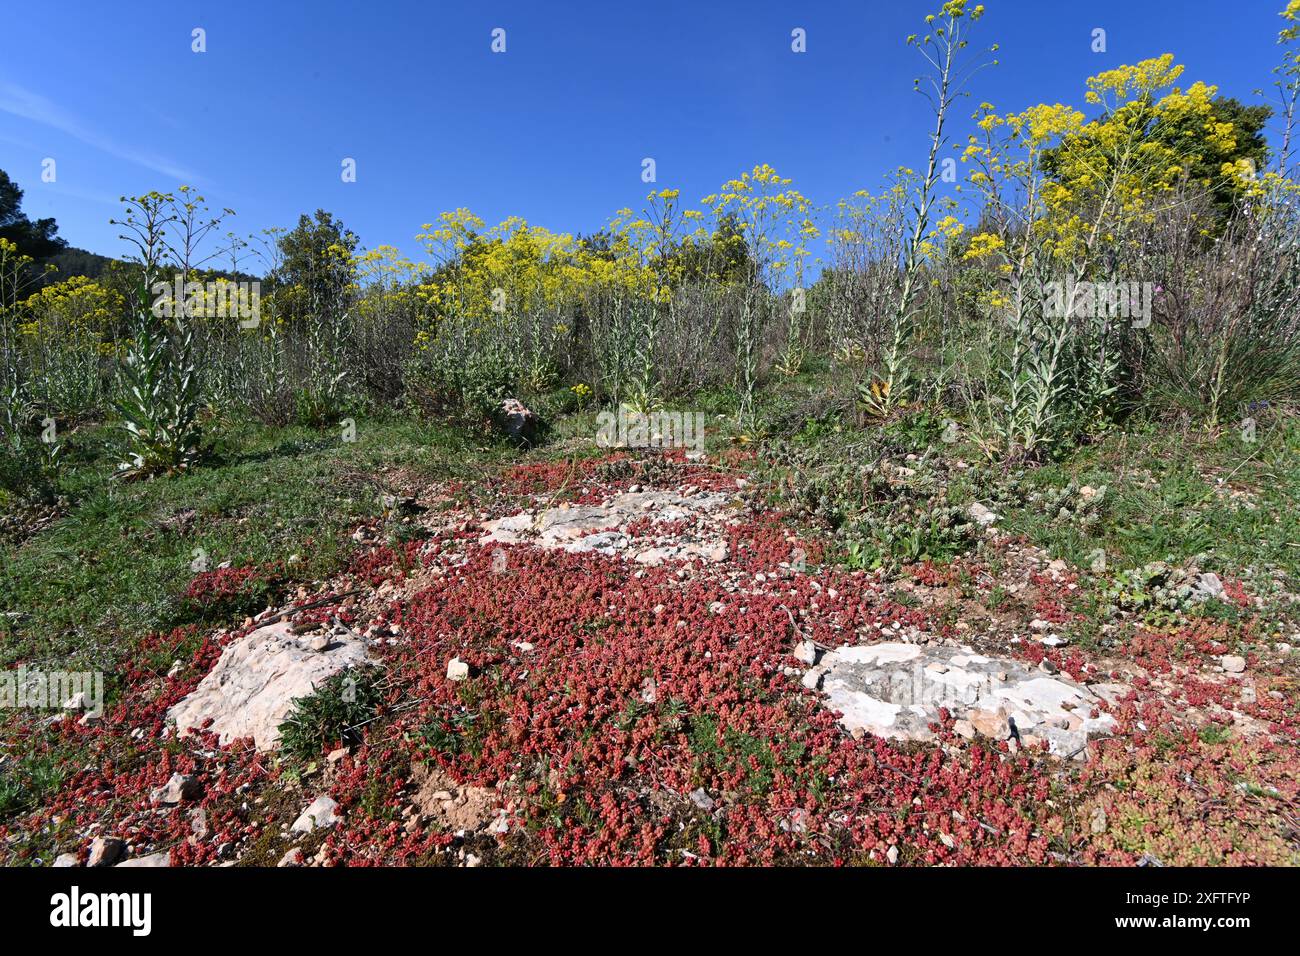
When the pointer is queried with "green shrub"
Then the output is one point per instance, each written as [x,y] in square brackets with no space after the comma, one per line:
[468,391]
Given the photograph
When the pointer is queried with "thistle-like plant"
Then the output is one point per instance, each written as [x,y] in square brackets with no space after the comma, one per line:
[159,395]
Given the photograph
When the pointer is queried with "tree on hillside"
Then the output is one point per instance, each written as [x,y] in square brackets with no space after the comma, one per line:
[317,267]
[35,238]
[724,256]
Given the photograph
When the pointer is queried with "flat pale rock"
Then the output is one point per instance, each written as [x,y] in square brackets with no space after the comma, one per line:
[153,859]
[251,689]
[709,552]
[1233,664]
[896,690]
[509,530]
[608,543]
[599,528]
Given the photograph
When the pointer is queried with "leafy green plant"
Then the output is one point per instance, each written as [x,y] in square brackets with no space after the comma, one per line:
[159,401]
[332,714]
[907,532]
[159,386]
[917,429]
[1155,590]
[469,390]
[452,736]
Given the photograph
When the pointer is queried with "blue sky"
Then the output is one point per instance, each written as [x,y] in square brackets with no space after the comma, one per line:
[555,128]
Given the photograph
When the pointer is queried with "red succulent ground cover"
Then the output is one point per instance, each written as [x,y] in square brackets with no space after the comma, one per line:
[600,764]
[129,752]
[629,715]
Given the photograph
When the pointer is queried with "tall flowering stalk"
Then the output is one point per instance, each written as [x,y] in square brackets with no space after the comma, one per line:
[159,386]
[942,48]
[330,297]
[1018,415]
[768,213]
[865,244]
[654,238]
[1287,82]
[14,405]
[66,333]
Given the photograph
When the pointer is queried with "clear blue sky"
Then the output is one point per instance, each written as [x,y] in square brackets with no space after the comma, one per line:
[555,128]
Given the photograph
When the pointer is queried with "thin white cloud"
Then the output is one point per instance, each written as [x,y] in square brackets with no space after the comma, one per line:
[32,106]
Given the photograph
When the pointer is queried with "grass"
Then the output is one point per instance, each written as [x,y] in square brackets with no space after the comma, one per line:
[1163,502]
[32,777]
[112,568]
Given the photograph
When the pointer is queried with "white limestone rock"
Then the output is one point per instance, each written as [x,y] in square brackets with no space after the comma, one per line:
[251,690]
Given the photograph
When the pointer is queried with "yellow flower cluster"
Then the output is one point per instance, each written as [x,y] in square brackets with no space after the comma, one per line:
[1134,82]
[774,219]
[76,311]
[983,244]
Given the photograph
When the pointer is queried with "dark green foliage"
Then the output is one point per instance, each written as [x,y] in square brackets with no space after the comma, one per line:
[36,238]
[331,716]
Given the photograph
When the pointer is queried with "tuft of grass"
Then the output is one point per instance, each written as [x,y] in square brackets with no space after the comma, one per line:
[25,781]
[1215,734]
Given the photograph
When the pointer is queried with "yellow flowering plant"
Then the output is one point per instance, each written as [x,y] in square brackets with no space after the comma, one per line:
[775,225]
